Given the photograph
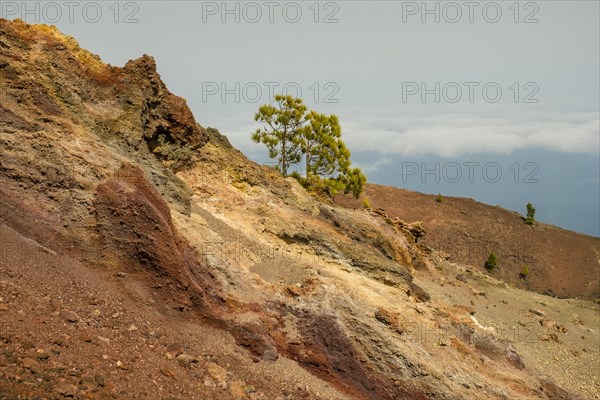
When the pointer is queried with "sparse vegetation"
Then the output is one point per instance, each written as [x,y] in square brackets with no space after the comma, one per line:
[525,272]
[354,182]
[301,180]
[178,156]
[492,262]
[291,133]
[530,214]
[439,198]
[366,203]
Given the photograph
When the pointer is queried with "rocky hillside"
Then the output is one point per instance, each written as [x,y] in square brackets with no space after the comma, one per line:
[143,257]
[560,262]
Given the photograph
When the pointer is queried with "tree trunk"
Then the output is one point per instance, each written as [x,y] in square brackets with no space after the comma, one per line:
[307,164]
[283,159]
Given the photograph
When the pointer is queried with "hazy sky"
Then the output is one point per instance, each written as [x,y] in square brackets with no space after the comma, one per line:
[498,101]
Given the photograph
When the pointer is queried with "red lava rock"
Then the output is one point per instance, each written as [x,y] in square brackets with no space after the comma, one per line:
[66,390]
[29,363]
[168,372]
[175,349]
[186,359]
[69,316]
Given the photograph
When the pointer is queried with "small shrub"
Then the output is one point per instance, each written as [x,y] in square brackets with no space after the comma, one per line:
[439,198]
[332,186]
[366,203]
[179,156]
[354,182]
[492,262]
[301,180]
[525,272]
[530,214]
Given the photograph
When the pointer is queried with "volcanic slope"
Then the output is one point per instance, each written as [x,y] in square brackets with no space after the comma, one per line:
[560,262]
[144,257]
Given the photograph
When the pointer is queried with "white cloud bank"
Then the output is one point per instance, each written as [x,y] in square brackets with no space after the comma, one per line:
[453,135]
[447,135]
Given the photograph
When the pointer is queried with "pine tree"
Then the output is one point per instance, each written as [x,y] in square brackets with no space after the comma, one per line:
[326,155]
[282,134]
[291,133]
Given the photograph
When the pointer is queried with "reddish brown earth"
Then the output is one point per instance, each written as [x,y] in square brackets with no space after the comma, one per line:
[123,277]
[561,262]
